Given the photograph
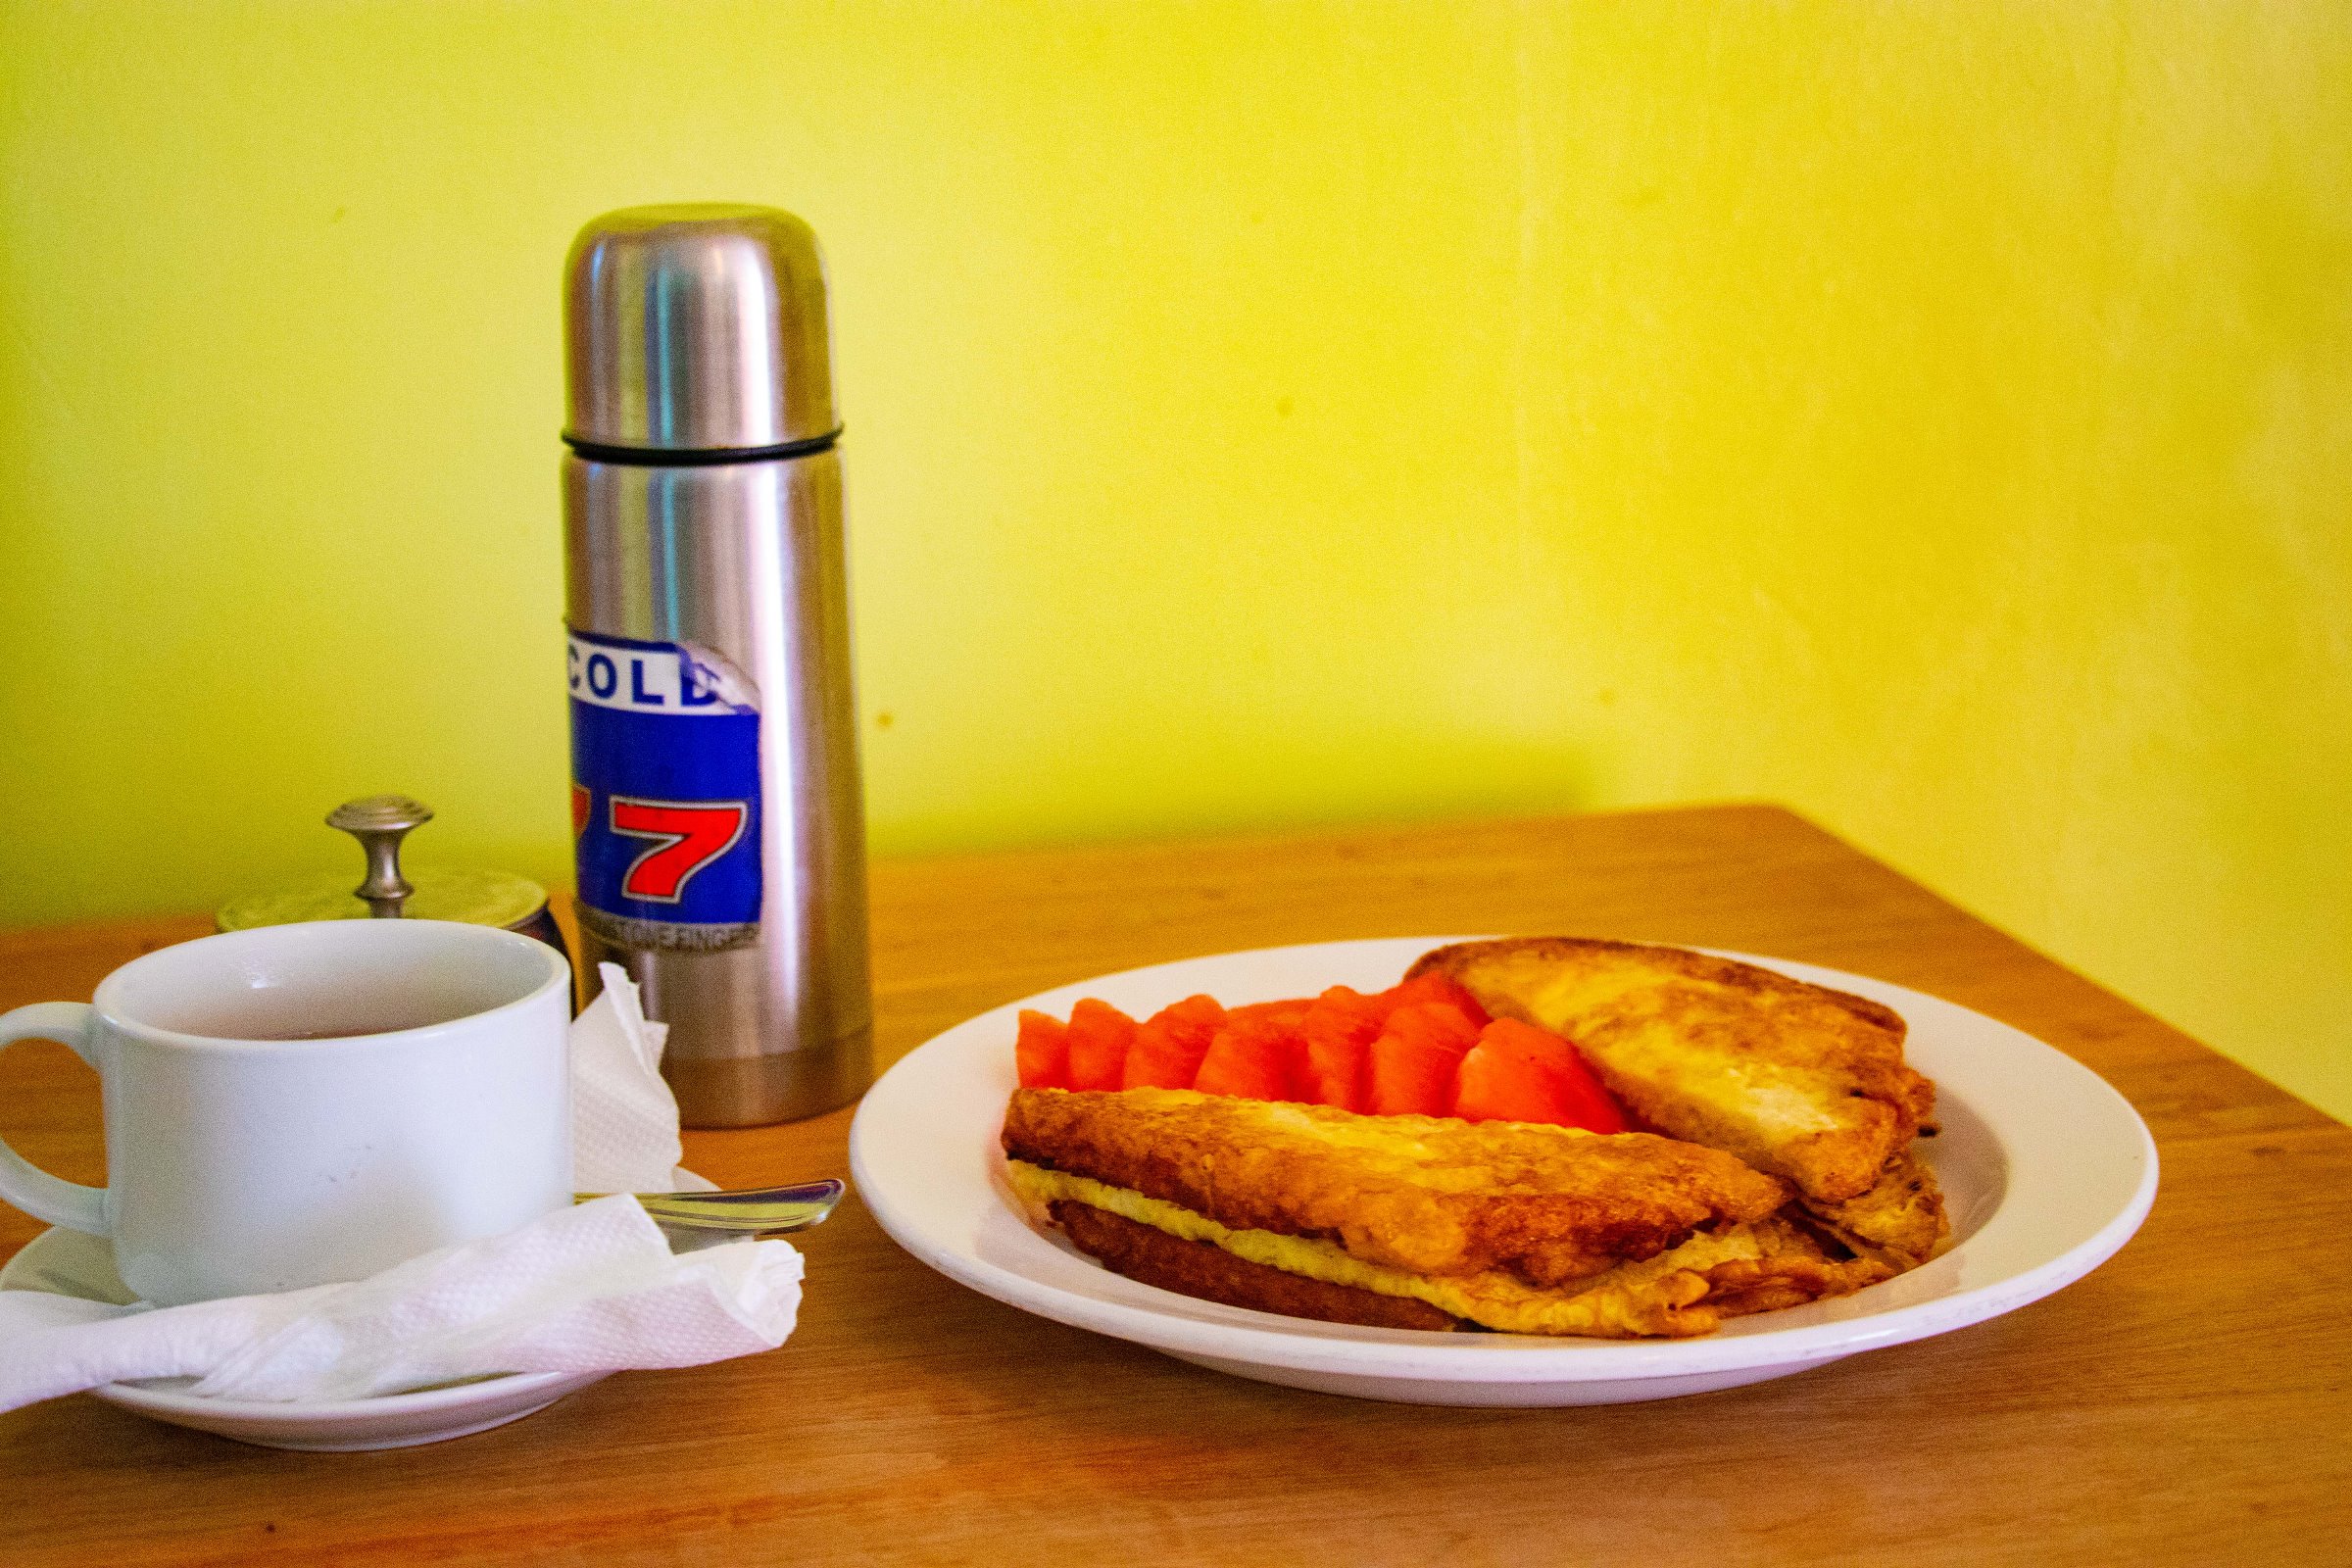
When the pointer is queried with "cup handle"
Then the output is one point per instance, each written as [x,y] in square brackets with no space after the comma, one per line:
[31,1189]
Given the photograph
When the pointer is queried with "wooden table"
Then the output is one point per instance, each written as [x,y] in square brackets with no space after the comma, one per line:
[2186,1402]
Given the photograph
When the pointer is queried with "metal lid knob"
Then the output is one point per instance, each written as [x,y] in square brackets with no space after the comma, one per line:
[695,327]
[472,895]
[379,823]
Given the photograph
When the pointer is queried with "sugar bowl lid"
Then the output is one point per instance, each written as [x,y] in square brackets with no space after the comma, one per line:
[472,895]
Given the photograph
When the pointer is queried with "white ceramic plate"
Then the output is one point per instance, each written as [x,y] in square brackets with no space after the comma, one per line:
[2046,1173]
[68,1263]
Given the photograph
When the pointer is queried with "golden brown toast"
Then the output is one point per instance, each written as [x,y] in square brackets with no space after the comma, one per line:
[1419,1194]
[1797,1080]
[1741,1267]
[1900,1221]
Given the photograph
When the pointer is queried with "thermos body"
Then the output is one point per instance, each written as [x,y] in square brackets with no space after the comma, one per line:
[741,563]
[716,809]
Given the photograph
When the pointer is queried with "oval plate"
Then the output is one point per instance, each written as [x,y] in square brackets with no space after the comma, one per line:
[2046,1173]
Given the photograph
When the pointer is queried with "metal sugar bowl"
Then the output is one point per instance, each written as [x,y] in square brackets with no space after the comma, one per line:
[470,895]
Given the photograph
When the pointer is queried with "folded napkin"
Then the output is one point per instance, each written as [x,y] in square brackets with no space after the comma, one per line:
[624,1121]
[591,1289]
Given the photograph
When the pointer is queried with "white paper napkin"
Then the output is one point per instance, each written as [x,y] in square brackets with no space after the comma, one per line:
[624,1121]
[591,1289]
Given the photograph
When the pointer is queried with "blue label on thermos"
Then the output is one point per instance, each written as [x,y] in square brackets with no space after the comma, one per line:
[665,795]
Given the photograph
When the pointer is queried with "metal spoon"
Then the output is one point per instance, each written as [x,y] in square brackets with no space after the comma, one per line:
[744,1212]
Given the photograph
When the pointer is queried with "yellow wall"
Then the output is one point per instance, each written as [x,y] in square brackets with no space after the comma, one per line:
[1937,416]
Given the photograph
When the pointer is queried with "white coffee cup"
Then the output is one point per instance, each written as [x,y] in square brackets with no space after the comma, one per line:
[298,1105]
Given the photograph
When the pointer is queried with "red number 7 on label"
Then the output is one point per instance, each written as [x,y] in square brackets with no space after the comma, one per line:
[694,833]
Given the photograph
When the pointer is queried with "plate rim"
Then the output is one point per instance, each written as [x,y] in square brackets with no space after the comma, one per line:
[1477,1360]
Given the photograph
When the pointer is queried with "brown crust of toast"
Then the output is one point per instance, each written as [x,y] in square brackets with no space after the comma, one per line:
[1212,1274]
[1796,1268]
[1902,1220]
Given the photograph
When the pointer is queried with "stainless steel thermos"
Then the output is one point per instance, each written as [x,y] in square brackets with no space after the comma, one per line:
[715,806]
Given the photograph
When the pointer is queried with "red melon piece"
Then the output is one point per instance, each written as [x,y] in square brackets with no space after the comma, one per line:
[1099,1035]
[1287,1011]
[1414,1060]
[1169,1045]
[1518,1072]
[1339,1031]
[1042,1052]
[1433,988]
[1256,1055]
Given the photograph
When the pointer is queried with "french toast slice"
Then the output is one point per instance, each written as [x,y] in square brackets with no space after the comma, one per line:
[1797,1080]
[1421,1194]
[1739,1269]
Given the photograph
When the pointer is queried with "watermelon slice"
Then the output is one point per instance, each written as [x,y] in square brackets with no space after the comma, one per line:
[1518,1072]
[1169,1045]
[1342,998]
[1042,1052]
[1339,1031]
[1099,1035]
[1255,1056]
[1287,1011]
[1422,1048]
[1414,1060]
[1429,988]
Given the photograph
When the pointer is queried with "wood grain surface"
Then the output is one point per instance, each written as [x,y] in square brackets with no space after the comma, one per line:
[2191,1402]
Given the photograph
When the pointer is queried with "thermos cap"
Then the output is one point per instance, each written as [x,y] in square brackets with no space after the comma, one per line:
[695,327]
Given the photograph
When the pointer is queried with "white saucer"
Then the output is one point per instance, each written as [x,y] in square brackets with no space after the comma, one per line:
[70,1263]
[2046,1173]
